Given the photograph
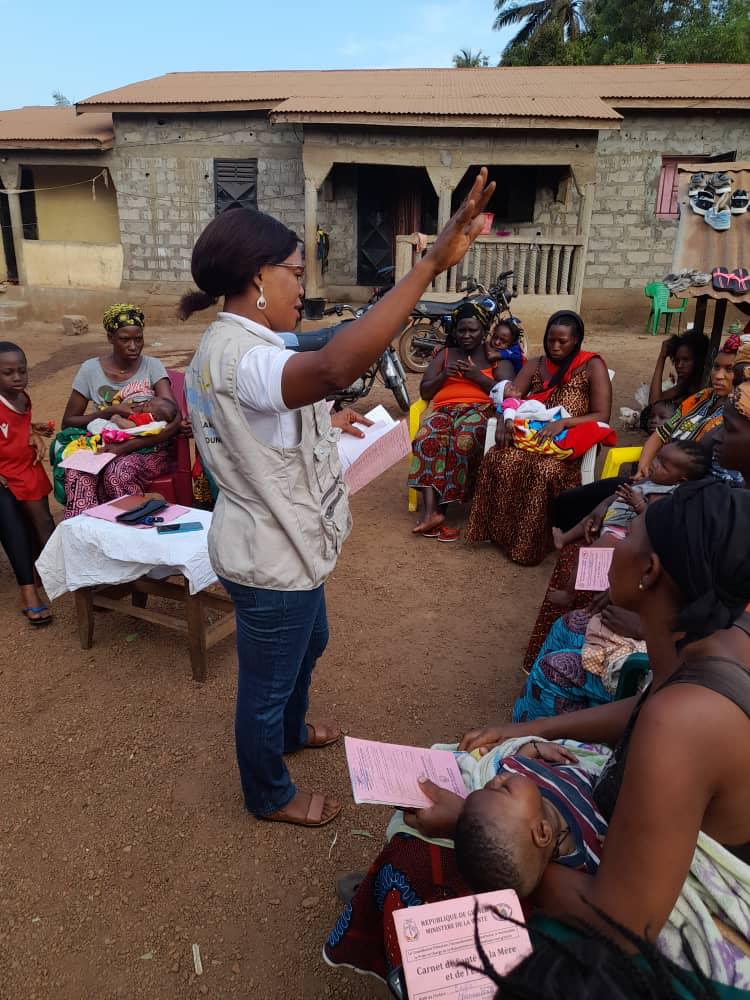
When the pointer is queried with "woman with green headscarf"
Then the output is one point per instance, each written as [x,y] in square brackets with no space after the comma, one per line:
[105,382]
[448,446]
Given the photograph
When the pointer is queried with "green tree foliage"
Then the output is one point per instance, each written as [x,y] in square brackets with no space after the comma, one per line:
[60,100]
[466,59]
[554,32]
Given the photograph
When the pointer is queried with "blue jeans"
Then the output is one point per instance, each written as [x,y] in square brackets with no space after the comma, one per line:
[280,635]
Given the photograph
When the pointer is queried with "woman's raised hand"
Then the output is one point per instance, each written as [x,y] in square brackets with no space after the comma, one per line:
[463,227]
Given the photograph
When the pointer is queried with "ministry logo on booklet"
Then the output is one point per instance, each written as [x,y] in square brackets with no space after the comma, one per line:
[411,931]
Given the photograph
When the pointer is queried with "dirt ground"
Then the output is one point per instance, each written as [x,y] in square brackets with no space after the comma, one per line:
[124,836]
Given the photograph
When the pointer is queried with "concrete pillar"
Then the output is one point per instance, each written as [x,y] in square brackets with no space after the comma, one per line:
[312,277]
[10,178]
[584,229]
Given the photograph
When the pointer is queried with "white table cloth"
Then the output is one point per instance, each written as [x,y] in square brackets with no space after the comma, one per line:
[88,552]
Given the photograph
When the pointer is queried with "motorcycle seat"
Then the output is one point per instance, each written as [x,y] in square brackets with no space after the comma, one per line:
[434,309]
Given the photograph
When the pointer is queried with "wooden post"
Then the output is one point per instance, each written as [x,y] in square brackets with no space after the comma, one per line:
[196,634]
[699,320]
[85,611]
[720,312]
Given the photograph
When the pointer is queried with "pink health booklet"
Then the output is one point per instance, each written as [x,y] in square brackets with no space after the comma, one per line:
[388,774]
[437,941]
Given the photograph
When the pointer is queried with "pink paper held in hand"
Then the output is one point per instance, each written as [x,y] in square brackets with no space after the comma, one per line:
[388,774]
[593,569]
[436,939]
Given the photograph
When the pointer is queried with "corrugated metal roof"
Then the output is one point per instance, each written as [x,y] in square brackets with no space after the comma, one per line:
[58,126]
[484,105]
[502,91]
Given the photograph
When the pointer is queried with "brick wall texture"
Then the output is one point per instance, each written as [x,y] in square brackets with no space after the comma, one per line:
[163,172]
[629,246]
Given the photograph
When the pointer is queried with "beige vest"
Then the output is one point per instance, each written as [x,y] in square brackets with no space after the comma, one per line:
[282,513]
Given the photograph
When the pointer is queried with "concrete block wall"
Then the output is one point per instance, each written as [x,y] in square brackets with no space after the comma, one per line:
[337,215]
[628,245]
[162,167]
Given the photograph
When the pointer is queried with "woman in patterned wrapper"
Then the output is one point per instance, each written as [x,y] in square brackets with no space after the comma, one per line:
[101,381]
[448,446]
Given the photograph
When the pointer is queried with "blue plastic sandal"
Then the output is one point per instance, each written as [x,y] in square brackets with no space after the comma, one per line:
[37,611]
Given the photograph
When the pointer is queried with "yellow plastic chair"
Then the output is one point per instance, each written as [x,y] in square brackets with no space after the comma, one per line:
[618,457]
[415,418]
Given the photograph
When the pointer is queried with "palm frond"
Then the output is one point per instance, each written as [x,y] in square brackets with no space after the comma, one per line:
[517,11]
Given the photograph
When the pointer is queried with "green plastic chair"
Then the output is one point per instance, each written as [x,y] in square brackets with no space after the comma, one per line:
[659,295]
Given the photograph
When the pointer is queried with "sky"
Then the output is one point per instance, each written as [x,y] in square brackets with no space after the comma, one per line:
[84,48]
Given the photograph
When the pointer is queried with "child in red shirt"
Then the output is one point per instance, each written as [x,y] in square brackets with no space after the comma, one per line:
[21,471]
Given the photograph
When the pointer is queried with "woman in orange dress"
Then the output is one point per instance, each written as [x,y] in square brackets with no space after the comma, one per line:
[515,487]
[448,446]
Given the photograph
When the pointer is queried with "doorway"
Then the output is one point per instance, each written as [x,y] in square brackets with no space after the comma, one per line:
[391,201]
[9,249]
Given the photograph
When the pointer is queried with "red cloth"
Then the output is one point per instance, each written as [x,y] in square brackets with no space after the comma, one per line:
[572,443]
[141,419]
[26,481]
[582,358]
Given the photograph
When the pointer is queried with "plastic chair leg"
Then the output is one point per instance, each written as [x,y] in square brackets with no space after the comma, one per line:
[667,324]
[413,500]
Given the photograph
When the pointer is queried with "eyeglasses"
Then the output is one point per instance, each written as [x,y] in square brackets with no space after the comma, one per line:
[299,270]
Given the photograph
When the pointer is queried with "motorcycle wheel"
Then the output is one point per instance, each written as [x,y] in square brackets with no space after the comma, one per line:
[414,359]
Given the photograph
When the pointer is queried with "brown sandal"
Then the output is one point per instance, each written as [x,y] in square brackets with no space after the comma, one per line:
[315,742]
[313,816]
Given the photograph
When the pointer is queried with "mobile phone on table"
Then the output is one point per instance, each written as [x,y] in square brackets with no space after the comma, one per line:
[169,529]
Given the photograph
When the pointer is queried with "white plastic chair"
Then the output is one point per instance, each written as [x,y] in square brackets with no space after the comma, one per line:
[588,465]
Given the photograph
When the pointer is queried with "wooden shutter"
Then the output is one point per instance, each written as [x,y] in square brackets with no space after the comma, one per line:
[666,198]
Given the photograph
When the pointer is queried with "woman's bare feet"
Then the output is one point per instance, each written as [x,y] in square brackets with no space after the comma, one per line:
[34,607]
[429,523]
[558,537]
[560,598]
[307,809]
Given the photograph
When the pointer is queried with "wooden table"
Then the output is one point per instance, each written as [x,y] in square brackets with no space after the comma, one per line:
[132,598]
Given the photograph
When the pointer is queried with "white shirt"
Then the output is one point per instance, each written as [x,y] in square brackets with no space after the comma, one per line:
[259,388]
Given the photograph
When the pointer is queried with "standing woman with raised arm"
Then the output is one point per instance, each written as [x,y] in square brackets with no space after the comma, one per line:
[263,430]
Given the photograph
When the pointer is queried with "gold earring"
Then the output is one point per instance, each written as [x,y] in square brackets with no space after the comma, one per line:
[260,302]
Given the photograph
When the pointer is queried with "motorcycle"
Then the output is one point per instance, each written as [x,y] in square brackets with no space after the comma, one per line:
[388,366]
[430,322]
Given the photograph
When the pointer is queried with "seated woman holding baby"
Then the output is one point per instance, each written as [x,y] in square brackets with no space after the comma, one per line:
[661,823]
[519,478]
[127,390]
[449,445]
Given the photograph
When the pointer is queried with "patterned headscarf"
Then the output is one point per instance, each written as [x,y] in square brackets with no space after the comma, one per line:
[731,345]
[122,314]
[472,310]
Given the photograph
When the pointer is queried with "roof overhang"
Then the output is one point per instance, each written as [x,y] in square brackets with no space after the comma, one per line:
[446,121]
[175,107]
[680,103]
[57,145]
